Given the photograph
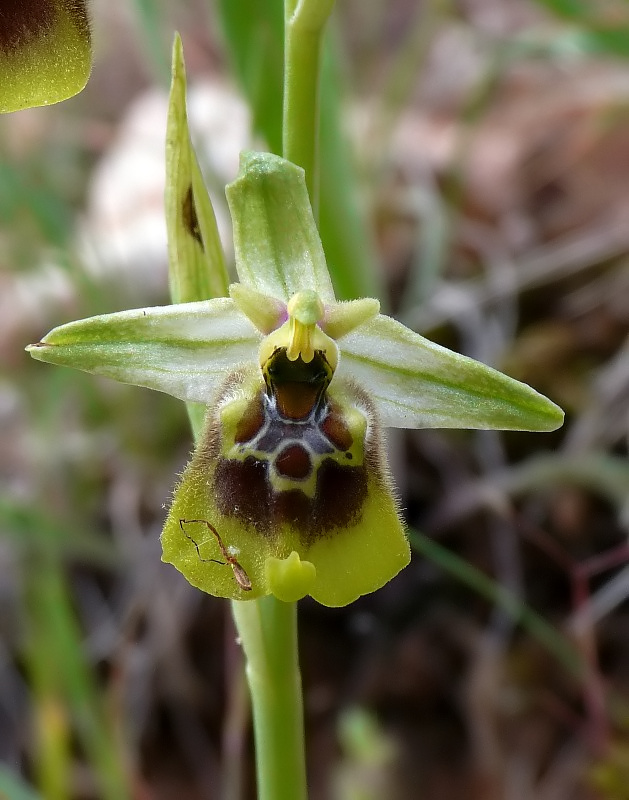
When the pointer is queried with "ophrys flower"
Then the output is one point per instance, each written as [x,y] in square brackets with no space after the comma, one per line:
[288,491]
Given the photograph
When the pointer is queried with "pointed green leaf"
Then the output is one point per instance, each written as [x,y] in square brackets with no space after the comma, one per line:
[45,52]
[418,384]
[197,263]
[278,250]
[182,350]
[253,33]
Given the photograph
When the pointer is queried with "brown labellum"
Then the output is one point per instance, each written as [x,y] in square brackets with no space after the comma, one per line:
[291,458]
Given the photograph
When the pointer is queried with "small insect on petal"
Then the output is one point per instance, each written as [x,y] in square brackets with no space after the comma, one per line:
[242,579]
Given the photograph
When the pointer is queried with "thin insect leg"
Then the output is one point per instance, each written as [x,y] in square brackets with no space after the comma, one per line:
[187,535]
[214,531]
[240,574]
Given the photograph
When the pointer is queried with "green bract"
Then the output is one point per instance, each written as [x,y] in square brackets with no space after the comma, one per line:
[45,52]
[288,491]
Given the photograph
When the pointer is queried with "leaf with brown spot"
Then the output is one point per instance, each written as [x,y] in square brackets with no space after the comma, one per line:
[197,263]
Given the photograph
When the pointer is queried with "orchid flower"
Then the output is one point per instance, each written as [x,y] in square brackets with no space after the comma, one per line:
[45,51]
[288,492]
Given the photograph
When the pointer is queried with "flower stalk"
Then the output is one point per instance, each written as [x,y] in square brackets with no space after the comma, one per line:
[268,632]
[304,23]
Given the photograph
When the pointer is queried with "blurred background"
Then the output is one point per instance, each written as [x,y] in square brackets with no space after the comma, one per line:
[475,178]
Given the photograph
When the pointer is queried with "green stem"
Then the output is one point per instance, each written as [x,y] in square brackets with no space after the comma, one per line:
[304,22]
[268,631]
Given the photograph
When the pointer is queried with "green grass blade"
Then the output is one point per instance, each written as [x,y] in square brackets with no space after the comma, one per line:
[347,243]
[254,36]
[57,638]
[545,634]
[37,532]
[151,24]
[571,9]
[598,36]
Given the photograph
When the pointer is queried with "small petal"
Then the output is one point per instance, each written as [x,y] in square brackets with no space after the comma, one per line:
[418,384]
[45,52]
[277,245]
[184,350]
[197,264]
[342,318]
[265,312]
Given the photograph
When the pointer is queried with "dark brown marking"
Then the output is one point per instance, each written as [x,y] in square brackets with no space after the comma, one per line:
[294,462]
[336,430]
[251,421]
[242,490]
[293,508]
[190,218]
[340,497]
[21,20]
[338,502]
[242,579]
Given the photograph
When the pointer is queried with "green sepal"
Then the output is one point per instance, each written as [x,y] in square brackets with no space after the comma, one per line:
[416,383]
[45,52]
[197,263]
[184,350]
[277,245]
